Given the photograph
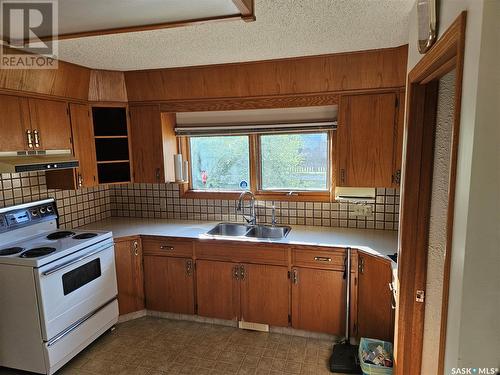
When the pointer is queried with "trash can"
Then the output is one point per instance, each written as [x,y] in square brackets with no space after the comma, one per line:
[370,345]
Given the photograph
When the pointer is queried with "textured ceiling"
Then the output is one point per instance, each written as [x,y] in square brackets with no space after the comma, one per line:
[284,28]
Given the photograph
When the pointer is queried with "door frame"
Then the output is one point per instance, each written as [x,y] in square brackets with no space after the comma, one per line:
[422,89]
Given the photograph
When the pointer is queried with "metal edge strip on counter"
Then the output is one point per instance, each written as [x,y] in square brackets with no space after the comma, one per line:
[78,323]
[105,246]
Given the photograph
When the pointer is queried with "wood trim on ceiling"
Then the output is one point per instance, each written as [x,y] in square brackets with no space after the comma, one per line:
[445,55]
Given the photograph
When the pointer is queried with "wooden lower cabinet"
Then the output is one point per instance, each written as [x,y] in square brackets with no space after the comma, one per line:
[375,314]
[217,289]
[264,294]
[169,284]
[129,275]
[318,300]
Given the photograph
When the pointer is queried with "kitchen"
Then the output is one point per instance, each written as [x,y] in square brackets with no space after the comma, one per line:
[209,214]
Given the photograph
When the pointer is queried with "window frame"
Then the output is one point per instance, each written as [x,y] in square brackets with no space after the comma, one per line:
[187,192]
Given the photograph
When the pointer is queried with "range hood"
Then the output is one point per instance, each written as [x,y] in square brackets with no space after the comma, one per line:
[30,161]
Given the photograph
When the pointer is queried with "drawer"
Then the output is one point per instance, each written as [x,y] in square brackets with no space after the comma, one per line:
[258,253]
[167,246]
[321,257]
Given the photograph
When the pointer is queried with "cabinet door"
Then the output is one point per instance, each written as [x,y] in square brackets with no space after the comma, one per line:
[153,145]
[264,294]
[217,287]
[14,123]
[318,300]
[168,284]
[375,314]
[50,119]
[366,140]
[84,146]
[129,275]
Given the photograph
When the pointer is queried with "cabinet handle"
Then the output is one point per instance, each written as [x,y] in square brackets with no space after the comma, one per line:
[393,296]
[322,259]
[242,272]
[166,247]
[189,267]
[29,138]
[236,272]
[37,138]
[158,174]
[396,177]
[80,180]
[295,276]
[135,246]
[342,175]
[361,265]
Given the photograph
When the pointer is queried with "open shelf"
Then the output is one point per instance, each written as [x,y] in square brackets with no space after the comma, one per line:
[113,172]
[110,121]
[111,149]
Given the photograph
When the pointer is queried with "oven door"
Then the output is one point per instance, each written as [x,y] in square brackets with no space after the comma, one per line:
[74,286]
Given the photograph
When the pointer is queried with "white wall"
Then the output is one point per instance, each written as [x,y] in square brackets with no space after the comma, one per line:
[473,332]
[437,224]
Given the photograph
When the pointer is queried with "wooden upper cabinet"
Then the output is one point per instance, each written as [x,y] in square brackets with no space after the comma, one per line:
[129,276]
[367,137]
[14,123]
[169,284]
[84,150]
[218,288]
[318,300]
[153,144]
[50,124]
[264,294]
[375,314]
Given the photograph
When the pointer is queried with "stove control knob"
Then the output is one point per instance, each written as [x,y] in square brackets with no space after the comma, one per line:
[42,210]
[49,209]
[34,213]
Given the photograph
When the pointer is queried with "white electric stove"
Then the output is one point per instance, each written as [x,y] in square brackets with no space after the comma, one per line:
[57,288]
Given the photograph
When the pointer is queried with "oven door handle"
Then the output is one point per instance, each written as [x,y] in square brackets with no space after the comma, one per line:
[70,263]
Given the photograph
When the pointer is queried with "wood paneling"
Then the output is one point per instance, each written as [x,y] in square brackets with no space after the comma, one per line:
[67,81]
[153,144]
[375,314]
[318,300]
[14,122]
[217,289]
[167,246]
[242,252]
[107,86]
[129,276]
[365,140]
[169,284]
[385,68]
[264,294]
[51,119]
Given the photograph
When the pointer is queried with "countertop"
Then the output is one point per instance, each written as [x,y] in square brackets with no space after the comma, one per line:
[375,242]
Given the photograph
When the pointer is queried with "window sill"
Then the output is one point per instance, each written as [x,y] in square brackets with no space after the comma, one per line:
[268,196]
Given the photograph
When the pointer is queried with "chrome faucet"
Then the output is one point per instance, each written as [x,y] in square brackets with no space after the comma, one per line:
[273,220]
[239,207]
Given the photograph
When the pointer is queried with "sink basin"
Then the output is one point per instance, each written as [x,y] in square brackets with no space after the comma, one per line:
[229,229]
[250,231]
[268,232]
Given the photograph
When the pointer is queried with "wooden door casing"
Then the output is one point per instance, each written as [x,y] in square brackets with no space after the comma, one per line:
[318,300]
[264,294]
[169,284]
[366,140]
[218,289]
[50,119]
[129,276]
[14,123]
[375,314]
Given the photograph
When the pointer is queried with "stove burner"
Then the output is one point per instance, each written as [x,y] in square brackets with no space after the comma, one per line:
[59,235]
[37,252]
[84,236]
[11,251]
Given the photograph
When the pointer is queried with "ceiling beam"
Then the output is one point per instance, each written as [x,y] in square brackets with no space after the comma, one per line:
[246,8]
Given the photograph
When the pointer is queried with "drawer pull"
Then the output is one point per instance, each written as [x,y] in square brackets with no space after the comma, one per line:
[322,259]
[167,247]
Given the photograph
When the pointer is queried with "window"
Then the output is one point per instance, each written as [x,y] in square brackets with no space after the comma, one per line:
[220,163]
[294,162]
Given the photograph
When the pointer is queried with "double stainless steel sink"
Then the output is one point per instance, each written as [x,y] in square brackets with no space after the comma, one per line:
[268,232]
